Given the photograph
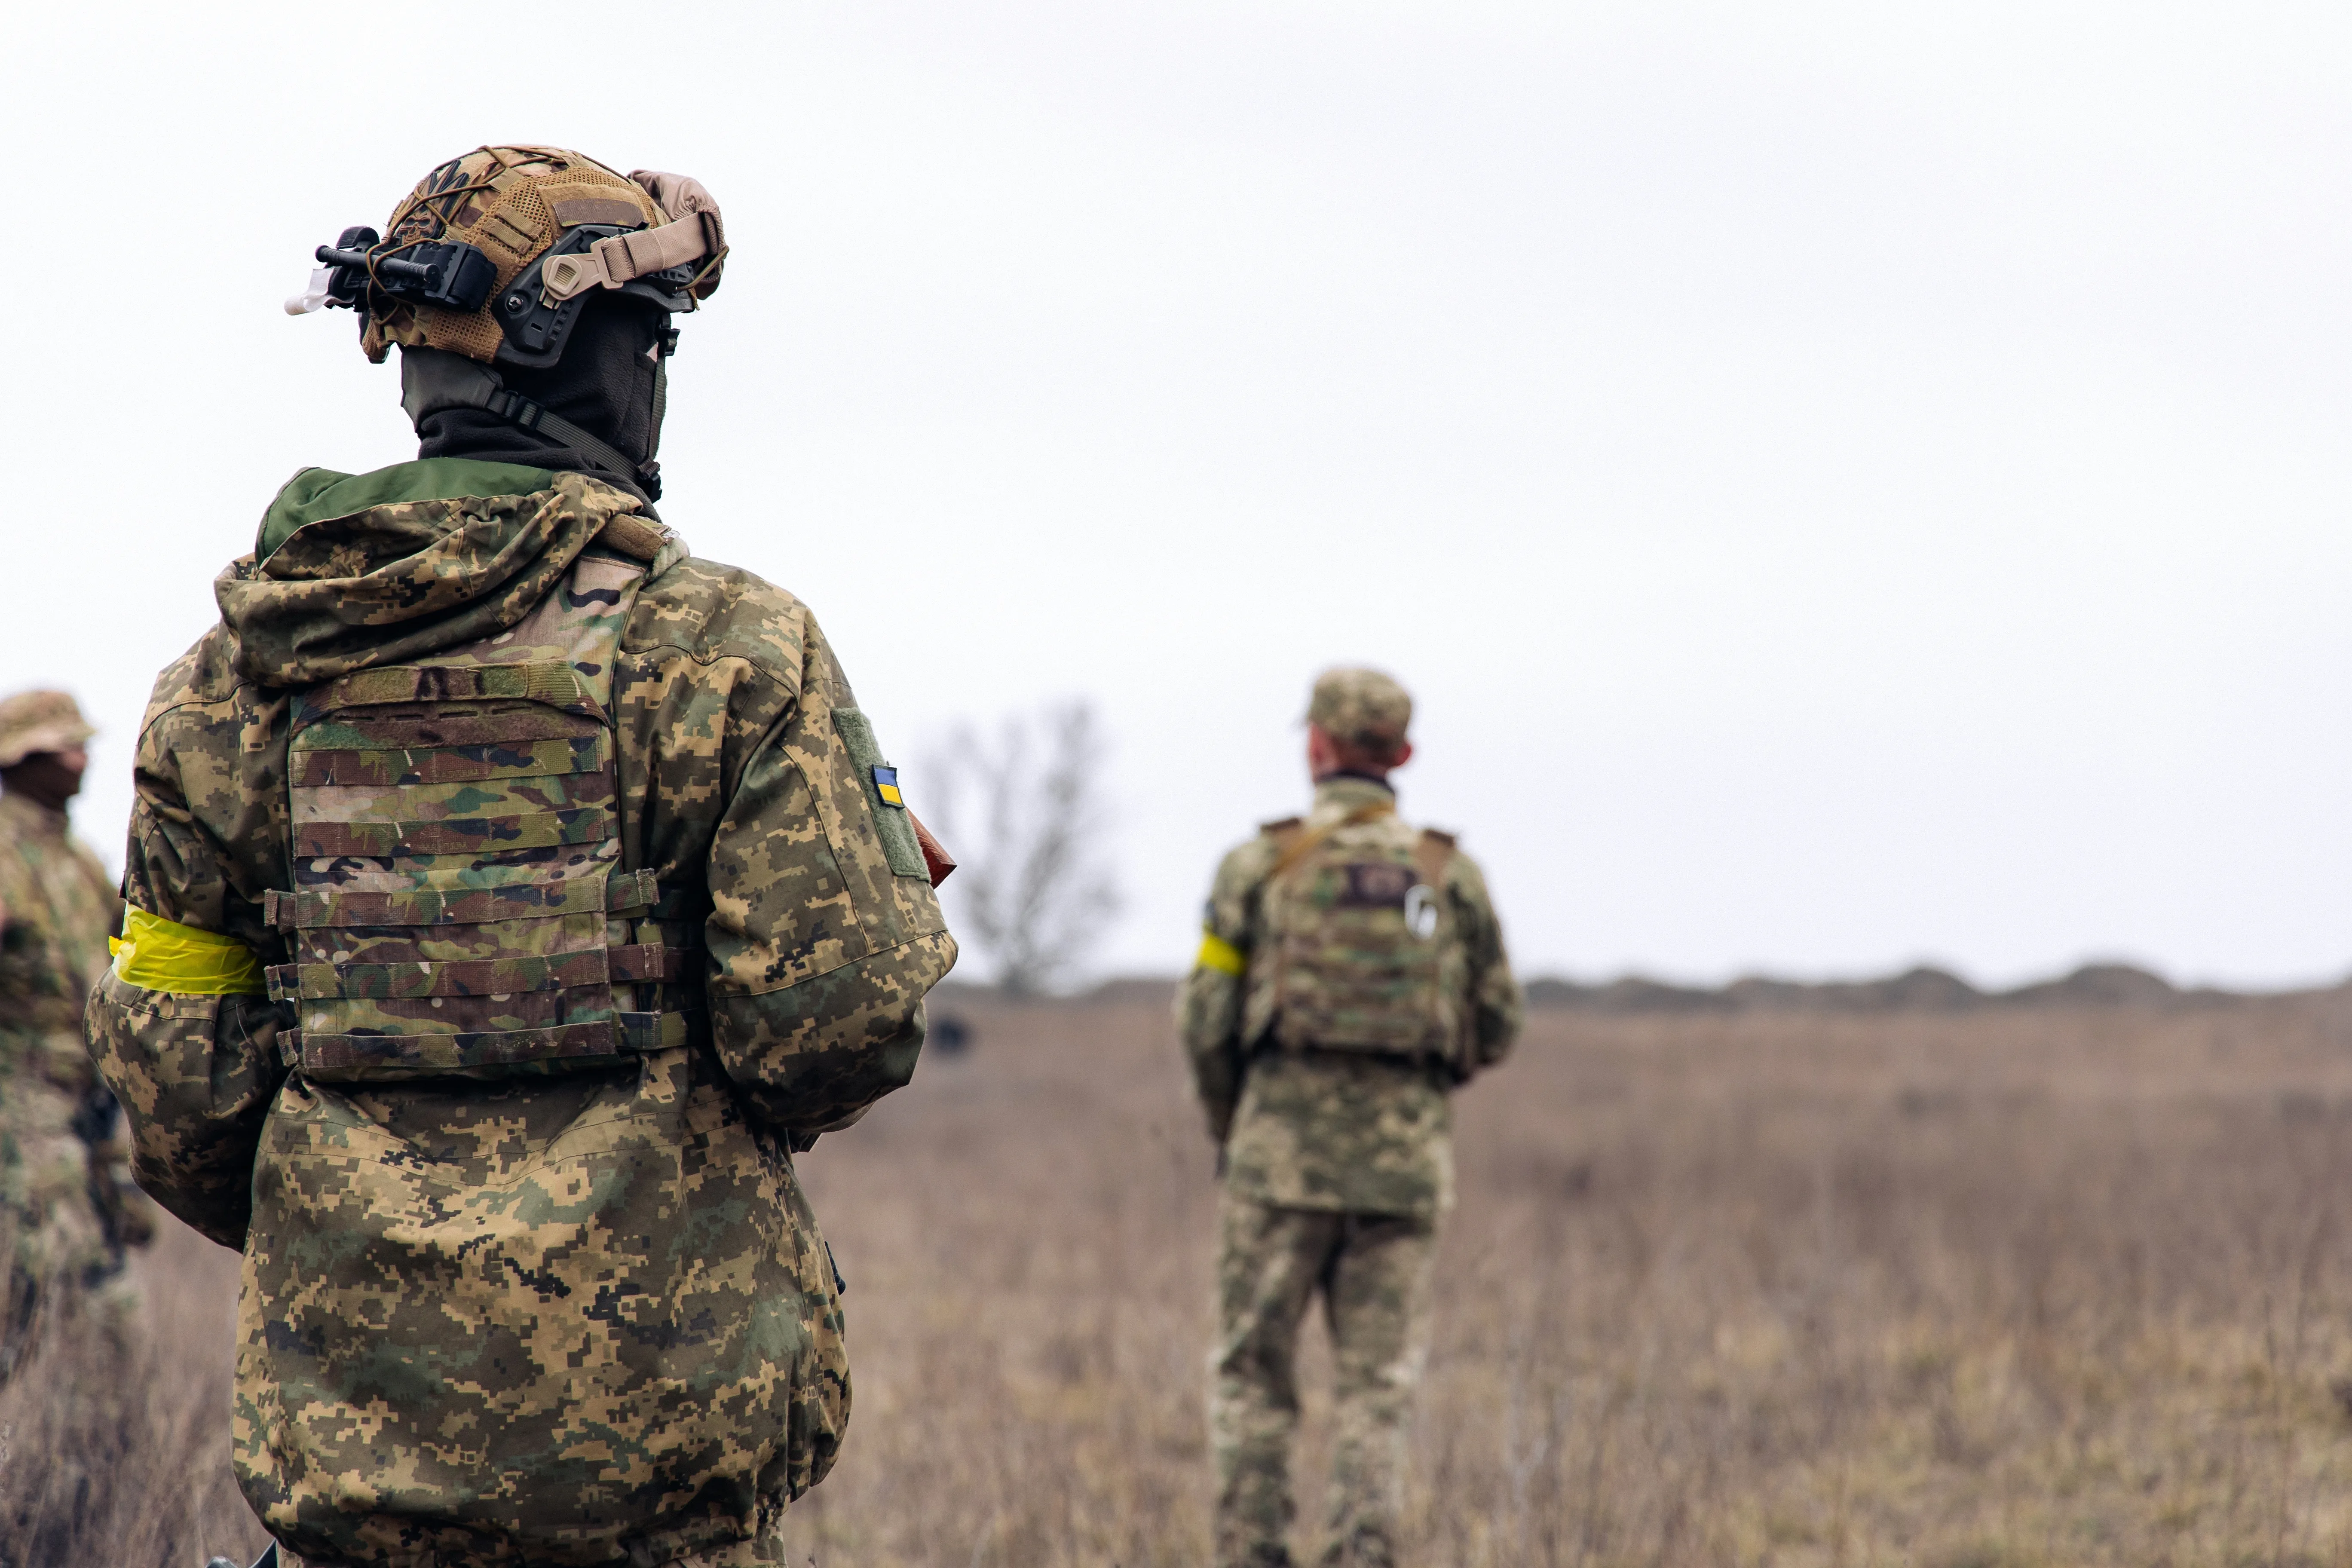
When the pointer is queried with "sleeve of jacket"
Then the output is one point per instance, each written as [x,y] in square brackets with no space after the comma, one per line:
[33,1013]
[1209,1003]
[1497,1006]
[825,932]
[195,1075]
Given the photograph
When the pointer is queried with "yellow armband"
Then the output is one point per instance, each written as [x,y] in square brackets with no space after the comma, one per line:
[157,955]
[1220,955]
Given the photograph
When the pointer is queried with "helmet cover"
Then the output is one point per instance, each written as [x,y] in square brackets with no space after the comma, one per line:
[514,204]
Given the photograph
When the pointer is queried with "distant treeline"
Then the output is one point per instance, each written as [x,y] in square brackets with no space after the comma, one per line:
[1920,990]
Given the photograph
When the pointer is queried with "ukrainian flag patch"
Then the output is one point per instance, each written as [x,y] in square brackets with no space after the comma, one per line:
[885,784]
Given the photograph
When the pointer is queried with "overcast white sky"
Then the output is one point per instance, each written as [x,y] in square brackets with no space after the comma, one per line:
[1847,484]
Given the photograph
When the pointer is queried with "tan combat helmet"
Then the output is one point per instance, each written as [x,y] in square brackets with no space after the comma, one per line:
[1362,708]
[490,261]
[494,254]
[36,721]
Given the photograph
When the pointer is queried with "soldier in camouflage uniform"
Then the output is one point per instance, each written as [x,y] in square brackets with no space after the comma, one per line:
[511,894]
[1351,975]
[65,1187]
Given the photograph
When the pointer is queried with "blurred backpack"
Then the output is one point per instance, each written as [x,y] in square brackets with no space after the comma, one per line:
[1360,939]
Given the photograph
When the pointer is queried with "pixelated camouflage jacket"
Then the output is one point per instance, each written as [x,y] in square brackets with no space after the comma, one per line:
[58,906]
[1327,1130]
[582,1318]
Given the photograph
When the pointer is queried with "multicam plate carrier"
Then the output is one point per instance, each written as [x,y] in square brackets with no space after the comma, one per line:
[1363,949]
[457,906]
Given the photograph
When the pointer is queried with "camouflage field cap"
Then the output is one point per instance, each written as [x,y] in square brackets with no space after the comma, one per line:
[34,721]
[1361,707]
[645,232]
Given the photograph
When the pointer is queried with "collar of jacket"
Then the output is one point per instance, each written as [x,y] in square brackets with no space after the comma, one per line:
[398,567]
[1343,793]
[313,495]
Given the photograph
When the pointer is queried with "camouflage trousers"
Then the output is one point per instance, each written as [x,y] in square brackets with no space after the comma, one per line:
[1373,1274]
[764,1552]
[57,1245]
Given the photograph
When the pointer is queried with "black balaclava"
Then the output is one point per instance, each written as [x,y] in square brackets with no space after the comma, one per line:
[611,381]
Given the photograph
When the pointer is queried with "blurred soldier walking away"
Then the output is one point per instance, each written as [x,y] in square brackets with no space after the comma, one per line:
[65,1184]
[511,893]
[1351,975]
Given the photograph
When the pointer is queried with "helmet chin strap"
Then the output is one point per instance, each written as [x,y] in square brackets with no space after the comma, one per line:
[434,379]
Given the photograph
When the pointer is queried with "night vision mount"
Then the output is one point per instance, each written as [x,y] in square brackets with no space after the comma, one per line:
[430,272]
[536,311]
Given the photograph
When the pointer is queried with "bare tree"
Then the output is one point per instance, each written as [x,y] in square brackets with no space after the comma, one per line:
[1024,815]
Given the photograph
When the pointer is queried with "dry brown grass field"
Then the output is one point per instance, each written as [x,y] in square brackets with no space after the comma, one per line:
[2014,1286]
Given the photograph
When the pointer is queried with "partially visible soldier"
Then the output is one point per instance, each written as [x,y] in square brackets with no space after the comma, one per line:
[511,893]
[1351,975]
[64,1182]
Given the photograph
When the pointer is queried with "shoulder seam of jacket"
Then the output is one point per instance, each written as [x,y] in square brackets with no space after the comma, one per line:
[147,728]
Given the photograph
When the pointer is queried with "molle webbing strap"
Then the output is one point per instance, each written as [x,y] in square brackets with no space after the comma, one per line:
[462,977]
[637,962]
[380,761]
[555,684]
[651,960]
[369,1056]
[651,1032]
[456,835]
[1301,843]
[626,892]
[623,893]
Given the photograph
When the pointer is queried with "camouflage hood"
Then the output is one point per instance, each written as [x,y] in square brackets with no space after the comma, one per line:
[355,571]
